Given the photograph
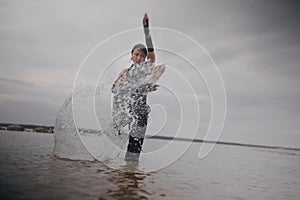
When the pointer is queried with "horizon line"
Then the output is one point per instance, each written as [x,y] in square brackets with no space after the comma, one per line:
[221,142]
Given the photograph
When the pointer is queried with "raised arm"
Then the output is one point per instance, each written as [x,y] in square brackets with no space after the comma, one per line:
[151,54]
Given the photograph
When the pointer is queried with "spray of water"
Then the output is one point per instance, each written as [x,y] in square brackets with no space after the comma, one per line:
[79,135]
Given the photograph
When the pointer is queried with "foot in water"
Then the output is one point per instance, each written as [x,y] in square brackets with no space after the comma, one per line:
[132,157]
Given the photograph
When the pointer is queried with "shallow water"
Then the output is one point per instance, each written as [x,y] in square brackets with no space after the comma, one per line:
[29,171]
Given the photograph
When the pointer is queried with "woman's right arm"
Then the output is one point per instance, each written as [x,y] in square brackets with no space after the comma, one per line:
[118,80]
[121,75]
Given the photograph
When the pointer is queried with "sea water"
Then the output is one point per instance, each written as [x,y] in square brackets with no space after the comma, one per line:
[28,170]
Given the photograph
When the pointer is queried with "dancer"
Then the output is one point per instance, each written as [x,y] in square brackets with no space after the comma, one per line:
[130,89]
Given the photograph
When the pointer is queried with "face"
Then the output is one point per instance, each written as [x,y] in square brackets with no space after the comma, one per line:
[138,56]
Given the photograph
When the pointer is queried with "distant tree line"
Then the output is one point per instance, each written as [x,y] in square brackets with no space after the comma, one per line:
[27,127]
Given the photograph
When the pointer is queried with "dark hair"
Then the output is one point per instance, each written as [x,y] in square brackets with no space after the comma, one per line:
[140,47]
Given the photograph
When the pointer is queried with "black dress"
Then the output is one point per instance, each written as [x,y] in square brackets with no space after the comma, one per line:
[130,108]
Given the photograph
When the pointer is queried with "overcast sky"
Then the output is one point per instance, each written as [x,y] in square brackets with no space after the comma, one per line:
[255,44]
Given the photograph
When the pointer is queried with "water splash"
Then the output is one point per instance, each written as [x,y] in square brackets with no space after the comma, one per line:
[67,141]
[88,128]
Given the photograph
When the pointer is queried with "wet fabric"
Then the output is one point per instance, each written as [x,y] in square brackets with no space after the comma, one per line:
[130,108]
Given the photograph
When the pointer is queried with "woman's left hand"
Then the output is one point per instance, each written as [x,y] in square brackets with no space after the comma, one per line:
[150,87]
[146,23]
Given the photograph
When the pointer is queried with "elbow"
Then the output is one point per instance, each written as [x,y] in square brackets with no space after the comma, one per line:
[152,60]
[151,57]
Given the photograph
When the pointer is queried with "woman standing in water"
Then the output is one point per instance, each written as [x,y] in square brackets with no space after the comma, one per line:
[130,107]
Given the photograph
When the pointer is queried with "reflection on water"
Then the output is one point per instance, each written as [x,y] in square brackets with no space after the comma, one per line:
[130,185]
[96,179]
[29,171]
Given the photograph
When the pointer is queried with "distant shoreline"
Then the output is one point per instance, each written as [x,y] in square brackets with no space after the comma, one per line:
[50,130]
[26,132]
[223,143]
[26,127]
